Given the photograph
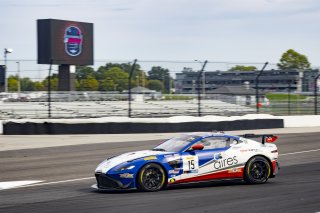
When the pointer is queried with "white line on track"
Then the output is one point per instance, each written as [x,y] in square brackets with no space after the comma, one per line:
[57,182]
[16,184]
[88,178]
[50,183]
[61,181]
[293,153]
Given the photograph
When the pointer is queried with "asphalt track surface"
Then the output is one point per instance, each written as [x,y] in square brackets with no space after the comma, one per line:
[67,173]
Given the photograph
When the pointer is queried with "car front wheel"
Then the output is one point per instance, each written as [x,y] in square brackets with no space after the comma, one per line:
[257,170]
[151,177]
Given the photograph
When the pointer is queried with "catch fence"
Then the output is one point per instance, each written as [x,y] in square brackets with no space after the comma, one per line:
[199,100]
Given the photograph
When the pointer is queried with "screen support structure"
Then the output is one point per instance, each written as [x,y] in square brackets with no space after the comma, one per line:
[49,90]
[66,78]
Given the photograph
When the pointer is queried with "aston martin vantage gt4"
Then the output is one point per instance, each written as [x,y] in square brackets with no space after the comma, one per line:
[191,158]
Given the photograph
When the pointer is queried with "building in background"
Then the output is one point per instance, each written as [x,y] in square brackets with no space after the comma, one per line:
[270,80]
[141,93]
[240,95]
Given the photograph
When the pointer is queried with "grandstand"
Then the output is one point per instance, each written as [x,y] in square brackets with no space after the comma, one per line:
[95,109]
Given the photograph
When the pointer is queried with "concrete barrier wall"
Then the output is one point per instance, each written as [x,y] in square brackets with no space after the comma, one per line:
[31,128]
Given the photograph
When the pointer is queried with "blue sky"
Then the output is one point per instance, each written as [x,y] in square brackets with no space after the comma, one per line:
[232,30]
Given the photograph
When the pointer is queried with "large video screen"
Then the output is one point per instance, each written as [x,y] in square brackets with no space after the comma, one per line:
[65,42]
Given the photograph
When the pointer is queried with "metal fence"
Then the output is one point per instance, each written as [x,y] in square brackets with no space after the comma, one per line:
[101,104]
[93,104]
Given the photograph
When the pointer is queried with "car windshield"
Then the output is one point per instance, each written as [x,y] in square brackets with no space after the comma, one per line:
[176,144]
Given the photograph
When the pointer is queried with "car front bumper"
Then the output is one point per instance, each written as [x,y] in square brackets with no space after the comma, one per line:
[106,182]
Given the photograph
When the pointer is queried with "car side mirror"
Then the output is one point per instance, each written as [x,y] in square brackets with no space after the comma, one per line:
[197,147]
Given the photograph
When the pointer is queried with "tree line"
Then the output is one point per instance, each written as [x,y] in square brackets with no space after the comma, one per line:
[289,60]
[111,77]
[114,76]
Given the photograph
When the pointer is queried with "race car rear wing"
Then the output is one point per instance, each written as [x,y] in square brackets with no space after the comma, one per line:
[265,138]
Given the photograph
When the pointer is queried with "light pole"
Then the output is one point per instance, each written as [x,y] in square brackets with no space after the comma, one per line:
[6,51]
[19,83]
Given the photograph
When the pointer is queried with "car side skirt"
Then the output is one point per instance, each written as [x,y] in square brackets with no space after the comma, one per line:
[233,173]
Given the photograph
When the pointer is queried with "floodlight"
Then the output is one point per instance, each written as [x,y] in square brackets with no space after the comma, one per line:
[8,50]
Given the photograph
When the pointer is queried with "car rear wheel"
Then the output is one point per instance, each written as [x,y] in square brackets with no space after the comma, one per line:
[151,177]
[257,170]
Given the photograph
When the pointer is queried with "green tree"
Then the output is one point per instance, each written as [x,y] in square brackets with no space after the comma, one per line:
[104,82]
[126,67]
[161,74]
[123,66]
[293,60]
[54,82]
[88,84]
[155,85]
[140,79]
[13,83]
[243,68]
[112,78]
[116,79]
[84,72]
[26,84]
[107,85]
[38,86]
[138,75]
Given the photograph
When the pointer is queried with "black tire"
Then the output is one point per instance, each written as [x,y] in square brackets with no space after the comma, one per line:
[151,177]
[257,170]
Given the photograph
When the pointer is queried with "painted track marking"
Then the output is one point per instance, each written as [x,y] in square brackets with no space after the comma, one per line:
[17,184]
[61,181]
[51,183]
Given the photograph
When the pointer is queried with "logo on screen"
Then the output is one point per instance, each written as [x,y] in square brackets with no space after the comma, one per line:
[73,39]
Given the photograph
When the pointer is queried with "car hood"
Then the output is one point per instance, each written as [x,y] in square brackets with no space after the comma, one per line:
[108,164]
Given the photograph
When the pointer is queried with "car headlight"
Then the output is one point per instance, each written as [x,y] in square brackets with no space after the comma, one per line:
[127,167]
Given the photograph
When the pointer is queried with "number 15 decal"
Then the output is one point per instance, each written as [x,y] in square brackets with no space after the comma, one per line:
[190,163]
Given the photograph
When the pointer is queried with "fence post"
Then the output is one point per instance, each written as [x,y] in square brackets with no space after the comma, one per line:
[49,90]
[129,87]
[289,98]
[199,91]
[316,94]
[257,87]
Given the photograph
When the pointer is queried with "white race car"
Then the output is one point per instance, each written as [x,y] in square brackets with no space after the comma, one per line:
[191,158]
